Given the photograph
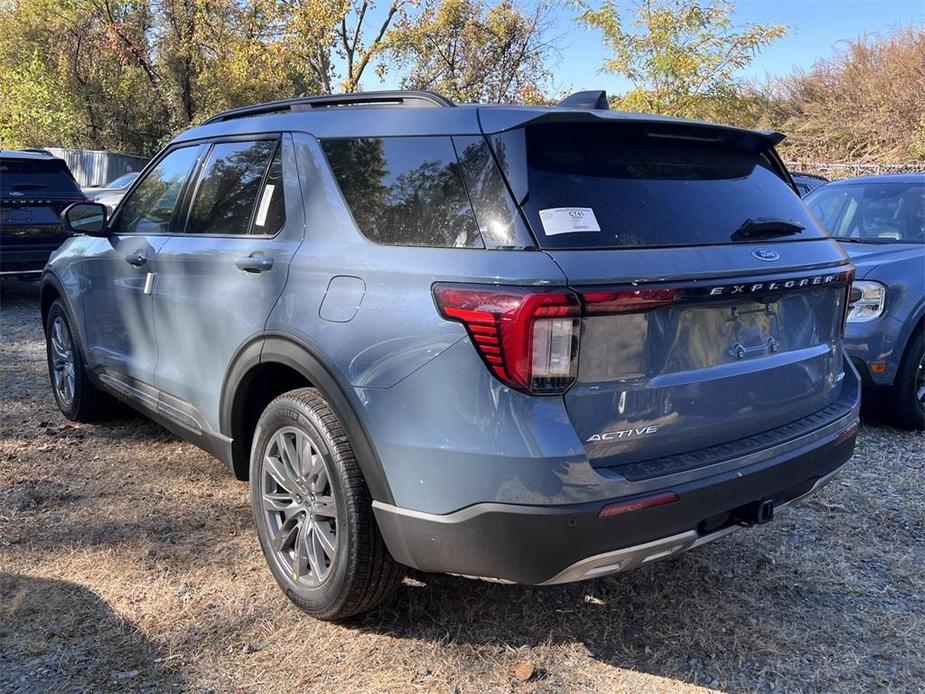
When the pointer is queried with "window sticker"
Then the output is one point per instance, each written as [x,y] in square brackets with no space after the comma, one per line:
[568,220]
[264,205]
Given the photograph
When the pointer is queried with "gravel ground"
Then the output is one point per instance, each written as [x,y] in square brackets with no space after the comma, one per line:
[128,561]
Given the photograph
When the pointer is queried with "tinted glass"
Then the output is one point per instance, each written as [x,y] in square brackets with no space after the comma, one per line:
[405,191]
[499,220]
[226,193]
[271,207]
[36,178]
[873,211]
[150,207]
[613,185]
[123,181]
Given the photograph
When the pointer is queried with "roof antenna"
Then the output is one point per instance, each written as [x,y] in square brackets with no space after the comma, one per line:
[595,100]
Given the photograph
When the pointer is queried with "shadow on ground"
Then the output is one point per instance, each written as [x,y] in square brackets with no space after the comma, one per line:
[59,636]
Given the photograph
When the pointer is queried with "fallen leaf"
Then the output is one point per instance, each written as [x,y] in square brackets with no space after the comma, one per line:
[523,670]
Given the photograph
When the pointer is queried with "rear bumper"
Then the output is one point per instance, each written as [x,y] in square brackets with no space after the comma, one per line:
[558,544]
[29,260]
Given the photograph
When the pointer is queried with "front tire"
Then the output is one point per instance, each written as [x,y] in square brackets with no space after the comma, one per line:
[313,511]
[78,398]
[909,390]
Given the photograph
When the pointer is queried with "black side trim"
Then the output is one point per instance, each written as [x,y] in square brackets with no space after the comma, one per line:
[145,398]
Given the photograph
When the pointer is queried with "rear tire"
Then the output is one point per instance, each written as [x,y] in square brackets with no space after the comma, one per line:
[909,389]
[78,398]
[313,511]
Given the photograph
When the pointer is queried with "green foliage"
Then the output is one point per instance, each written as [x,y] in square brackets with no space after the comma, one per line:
[475,53]
[864,104]
[32,111]
[681,56]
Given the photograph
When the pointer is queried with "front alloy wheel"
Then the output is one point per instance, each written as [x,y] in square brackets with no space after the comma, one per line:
[909,389]
[77,397]
[62,361]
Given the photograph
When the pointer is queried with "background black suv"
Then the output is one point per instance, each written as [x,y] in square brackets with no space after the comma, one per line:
[34,188]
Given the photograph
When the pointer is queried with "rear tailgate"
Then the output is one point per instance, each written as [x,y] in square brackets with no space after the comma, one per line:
[712,302]
[34,190]
[713,361]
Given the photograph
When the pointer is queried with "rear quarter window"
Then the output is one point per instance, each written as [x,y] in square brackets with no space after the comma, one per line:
[405,191]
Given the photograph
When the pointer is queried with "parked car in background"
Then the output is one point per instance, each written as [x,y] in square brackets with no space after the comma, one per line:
[880,221]
[112,192]
[34,188]
[806,183]
[526,344]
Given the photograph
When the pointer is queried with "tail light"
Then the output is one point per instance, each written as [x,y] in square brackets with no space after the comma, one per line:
[528,338]
[849,299]
[626,300]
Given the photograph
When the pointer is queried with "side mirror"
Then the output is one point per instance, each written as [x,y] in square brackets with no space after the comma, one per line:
[85,218]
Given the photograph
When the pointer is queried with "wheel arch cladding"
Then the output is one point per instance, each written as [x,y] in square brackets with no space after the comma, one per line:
[49,293]
[270,365]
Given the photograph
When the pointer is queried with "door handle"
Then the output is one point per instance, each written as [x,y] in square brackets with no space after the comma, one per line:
[136,259]
[255,262]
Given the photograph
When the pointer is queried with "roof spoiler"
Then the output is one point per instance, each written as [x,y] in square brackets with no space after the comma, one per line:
[661,127]
[595,100]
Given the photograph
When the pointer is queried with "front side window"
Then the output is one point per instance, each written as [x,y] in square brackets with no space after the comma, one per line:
[229,185]
[405,191]
[150,207]
[871,212]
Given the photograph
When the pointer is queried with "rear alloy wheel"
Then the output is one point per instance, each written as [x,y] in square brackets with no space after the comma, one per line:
[299,506]
[313,511]
[909,390]
[77,397]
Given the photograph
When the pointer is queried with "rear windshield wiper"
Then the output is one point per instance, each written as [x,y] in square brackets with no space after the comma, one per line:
[863,239]
[752,228]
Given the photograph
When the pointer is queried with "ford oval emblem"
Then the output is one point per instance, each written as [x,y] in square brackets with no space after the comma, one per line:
[766,254]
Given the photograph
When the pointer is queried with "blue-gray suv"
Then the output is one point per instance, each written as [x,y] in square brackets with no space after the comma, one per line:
[880,220]
[524,344]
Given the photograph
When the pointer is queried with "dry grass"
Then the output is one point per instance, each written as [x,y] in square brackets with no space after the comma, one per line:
[128,560]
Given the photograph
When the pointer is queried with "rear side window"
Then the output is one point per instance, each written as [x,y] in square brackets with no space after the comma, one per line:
[25,178]
[614,185]
[405,191]
[150,207]
[232,178]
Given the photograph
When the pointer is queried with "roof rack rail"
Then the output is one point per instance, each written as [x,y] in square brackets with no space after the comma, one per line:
[414,99]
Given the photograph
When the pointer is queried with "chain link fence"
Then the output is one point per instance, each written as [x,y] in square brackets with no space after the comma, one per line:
[833,171]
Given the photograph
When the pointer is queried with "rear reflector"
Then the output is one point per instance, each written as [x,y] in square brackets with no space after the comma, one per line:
[846,433]
[528,338]
[637,504]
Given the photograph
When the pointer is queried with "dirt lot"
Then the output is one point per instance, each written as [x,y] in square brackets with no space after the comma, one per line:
[128,561]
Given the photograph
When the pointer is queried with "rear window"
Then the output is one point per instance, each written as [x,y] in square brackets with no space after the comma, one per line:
[37,178]
[405,191]
[612,186]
